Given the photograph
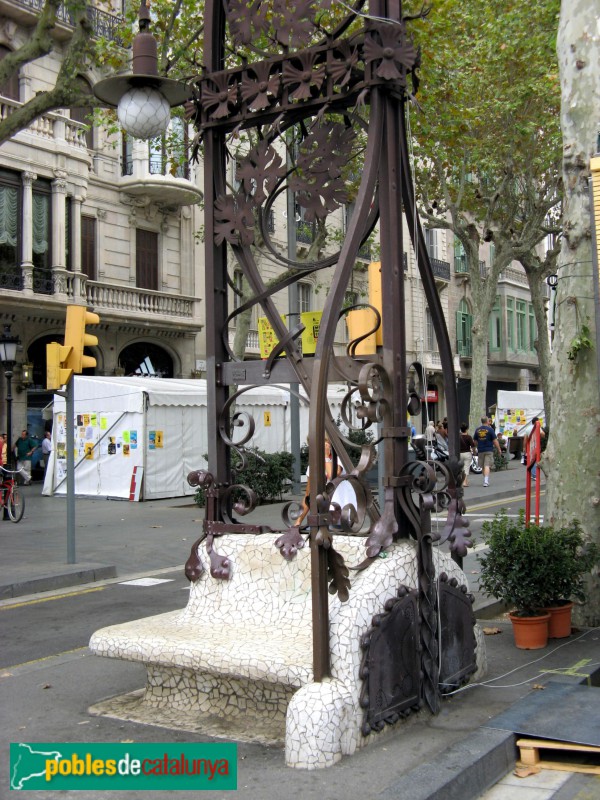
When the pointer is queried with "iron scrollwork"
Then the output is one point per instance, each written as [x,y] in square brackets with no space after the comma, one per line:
[314,89]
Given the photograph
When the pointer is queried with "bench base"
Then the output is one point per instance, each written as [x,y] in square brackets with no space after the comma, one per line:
[132,707]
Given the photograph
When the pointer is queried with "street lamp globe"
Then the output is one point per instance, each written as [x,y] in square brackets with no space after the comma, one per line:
[8,348]
[143,99]
[144,112]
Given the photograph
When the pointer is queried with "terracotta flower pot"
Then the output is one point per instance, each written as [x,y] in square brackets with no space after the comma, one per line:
[531,633]
[559,626]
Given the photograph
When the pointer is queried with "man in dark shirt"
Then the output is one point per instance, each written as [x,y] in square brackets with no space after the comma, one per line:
[485,441]
[24,449]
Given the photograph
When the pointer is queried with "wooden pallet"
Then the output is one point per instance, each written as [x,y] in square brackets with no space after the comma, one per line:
[530,755]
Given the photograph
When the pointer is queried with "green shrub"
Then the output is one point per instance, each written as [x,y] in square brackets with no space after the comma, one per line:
[570,558]
[534,567]
[500,461]
[268,474]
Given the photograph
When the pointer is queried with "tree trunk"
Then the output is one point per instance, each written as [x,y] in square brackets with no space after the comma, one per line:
[483,297]
[537,271]
[573,454]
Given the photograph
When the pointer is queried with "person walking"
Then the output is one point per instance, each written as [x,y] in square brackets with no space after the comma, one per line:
[332,470]
[3,450]
[467,450]
[485,442]
[24,449]
[46,450]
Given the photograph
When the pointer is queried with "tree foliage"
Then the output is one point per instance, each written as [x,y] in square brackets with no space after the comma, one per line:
[487,141]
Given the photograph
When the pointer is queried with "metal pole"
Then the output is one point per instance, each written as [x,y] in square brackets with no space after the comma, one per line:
[9,454]
[293,317]
[70,411]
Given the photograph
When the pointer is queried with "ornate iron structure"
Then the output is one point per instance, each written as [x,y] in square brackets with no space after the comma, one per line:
[305,97]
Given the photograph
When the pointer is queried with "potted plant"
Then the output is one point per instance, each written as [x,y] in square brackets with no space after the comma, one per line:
[537,570]
[569,558]
[514,570]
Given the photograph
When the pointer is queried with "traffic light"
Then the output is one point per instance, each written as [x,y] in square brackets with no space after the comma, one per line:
[57,373]
[76,338]
[375,298]
[362,320]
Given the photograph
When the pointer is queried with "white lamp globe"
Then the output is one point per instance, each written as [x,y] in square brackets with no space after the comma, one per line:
[144,112]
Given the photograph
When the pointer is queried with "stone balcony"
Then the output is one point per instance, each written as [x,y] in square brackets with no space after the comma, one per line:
[113,302]
[52,128]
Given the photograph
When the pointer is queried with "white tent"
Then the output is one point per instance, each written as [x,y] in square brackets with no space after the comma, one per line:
[515,410]
[138,438]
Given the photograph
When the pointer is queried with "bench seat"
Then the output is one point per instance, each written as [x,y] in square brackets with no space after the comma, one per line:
[241,651]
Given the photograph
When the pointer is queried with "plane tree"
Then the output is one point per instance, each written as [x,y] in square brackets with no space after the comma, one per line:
[487,145]
[572,459]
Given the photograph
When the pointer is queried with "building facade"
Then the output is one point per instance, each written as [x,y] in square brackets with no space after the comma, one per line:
[87,218]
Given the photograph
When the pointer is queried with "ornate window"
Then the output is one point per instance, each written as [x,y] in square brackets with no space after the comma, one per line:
[464,324]
[10,87]
[146,259]
[88,247]
[521,325]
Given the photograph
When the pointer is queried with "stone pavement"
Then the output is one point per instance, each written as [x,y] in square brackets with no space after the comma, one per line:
[457,755]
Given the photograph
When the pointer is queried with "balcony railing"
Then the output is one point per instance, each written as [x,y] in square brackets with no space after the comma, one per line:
[514,276]
[460,266]
[159,164]
[51,127]
[464,348]
[103,24]
[143,301]
[441,269]
[66,286]
[11,278]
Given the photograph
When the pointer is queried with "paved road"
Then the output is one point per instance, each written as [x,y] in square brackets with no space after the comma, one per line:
[48,679]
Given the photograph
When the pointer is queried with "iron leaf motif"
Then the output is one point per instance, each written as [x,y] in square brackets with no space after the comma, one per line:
[294,22]
[338,573]
[317,182]
[290,542]
[262,166]
[306,76]
[217,101]
[245,18]
[234,221]
[259,86]
[341,68]
[394,52]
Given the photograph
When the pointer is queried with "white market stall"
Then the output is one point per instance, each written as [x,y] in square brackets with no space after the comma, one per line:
[515,410]
[138,438]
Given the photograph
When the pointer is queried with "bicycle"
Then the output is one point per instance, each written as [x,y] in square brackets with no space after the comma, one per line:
[10,496]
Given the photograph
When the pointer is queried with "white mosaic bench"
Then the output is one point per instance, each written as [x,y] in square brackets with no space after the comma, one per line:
[243,647]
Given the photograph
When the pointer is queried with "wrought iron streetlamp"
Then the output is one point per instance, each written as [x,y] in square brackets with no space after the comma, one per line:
[270,68]
[143,99]
[8,357]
